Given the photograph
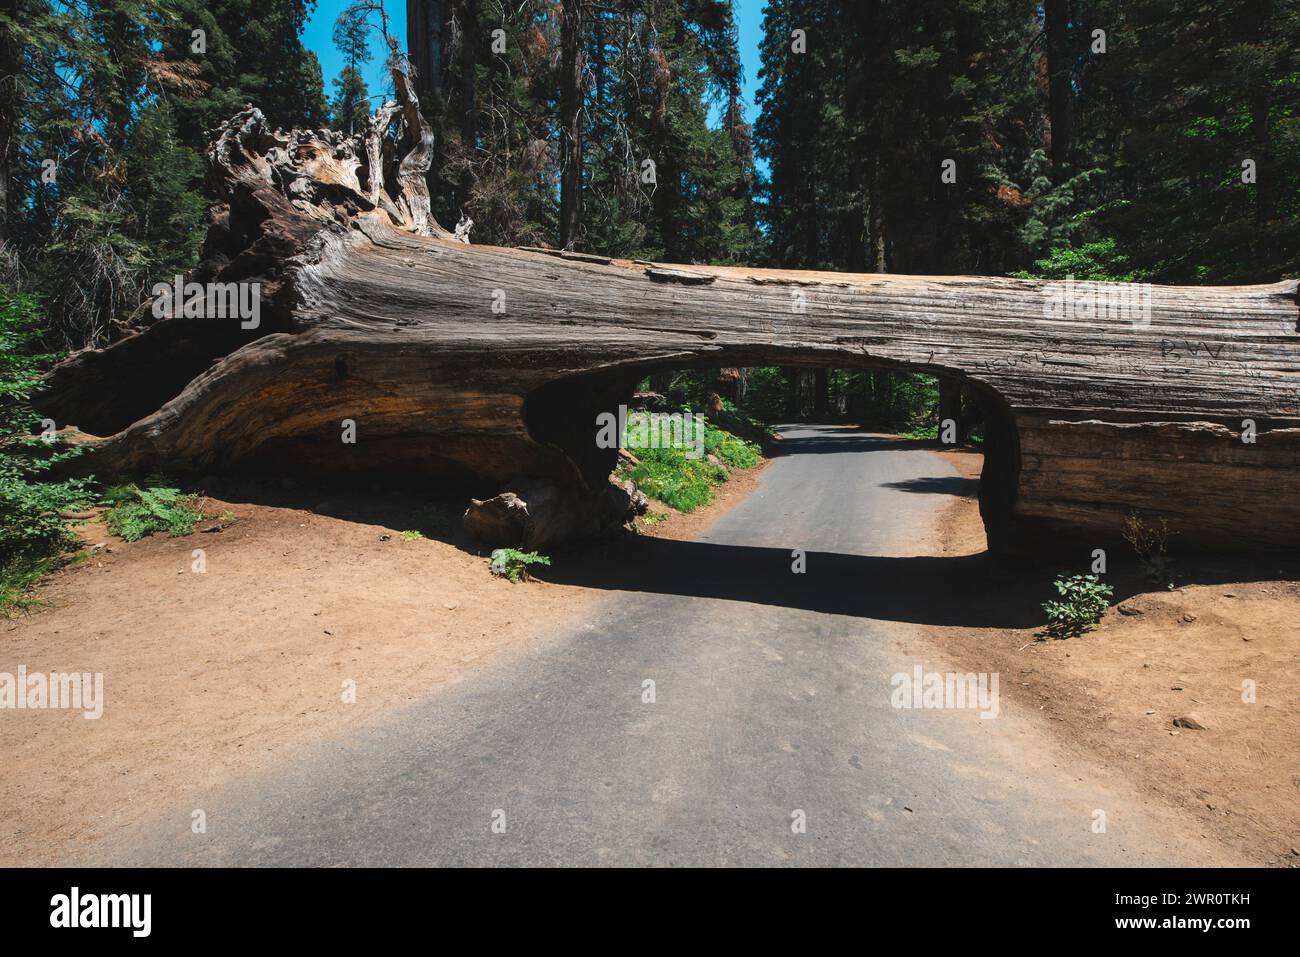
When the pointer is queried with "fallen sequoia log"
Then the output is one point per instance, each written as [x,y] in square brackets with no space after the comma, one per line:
[492,364]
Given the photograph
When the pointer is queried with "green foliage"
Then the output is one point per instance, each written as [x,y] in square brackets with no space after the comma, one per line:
[32,530]
[116,97]
[351,106]
[412,535]
[1097,261]
[18,584]
[136,512]
[922,433]
[657,69]
[889,92]
[1084,599]
[513,564]
[680,482]
[734,452]
[676,478]
[766,389]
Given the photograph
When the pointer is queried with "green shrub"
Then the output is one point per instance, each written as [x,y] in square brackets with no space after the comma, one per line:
[1084,599]
[33,532]
[412,535]
[513,564]
[734,451]
[673,477]
[136,512]
[669,476]
[926,432]
[1098,261]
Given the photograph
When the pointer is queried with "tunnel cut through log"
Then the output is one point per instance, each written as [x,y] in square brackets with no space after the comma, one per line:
[488,363]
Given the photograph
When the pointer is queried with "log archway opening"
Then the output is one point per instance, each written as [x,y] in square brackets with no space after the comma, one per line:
[561,415]
[1183,405]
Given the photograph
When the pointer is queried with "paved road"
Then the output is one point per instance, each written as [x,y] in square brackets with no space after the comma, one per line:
[772,705]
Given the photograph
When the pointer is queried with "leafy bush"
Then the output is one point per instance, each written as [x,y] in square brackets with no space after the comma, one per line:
[32,527]
[1098,261]
[513,564]
[733,451]
[668,475]
[1150,543]
[412,535]
[766,394]
[685,483]
[136,512]
[1084,599]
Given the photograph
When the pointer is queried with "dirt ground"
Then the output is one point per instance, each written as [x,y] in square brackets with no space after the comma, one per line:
[1157,656]
[209,675]
[215,674]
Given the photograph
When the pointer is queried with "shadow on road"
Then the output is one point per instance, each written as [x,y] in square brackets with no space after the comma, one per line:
[844,439]
[936,485]
[967,590]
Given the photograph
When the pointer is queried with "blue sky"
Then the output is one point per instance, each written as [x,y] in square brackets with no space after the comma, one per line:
[318,36]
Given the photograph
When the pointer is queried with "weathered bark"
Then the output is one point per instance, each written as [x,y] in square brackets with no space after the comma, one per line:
[1088,416]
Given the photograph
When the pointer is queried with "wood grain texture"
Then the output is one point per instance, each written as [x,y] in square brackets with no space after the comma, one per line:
[366,318]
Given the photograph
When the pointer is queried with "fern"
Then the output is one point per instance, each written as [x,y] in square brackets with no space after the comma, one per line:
[135,513]
[513,564]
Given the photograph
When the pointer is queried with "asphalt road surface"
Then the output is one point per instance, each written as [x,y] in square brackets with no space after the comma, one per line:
[772,738]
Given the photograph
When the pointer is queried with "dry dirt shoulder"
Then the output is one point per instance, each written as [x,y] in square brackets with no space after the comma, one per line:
[1115,692]
[215,674]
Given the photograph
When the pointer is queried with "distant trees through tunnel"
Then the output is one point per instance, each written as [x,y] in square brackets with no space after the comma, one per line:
[913,404]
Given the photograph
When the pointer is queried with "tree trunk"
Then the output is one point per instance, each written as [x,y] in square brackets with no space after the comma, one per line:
[493,364]
[571,36]
[425,22]
[9,67]
[821,395]
[468,64]
[950,408]
[1060,91]
[426,27]
[882,397]
[1260,98]
[876,219]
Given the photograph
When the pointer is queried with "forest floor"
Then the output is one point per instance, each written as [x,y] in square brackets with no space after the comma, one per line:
[1156,656]
[213,675]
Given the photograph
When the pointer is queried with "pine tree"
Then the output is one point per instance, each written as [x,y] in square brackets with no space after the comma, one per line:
[351,107]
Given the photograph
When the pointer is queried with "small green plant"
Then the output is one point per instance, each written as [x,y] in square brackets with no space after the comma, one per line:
[513,564]
[412,535]
[18,583]
[924,432]
[677,478]
[134,512]
[34,534]
[1149,542]
[1084,599]
[734,452]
